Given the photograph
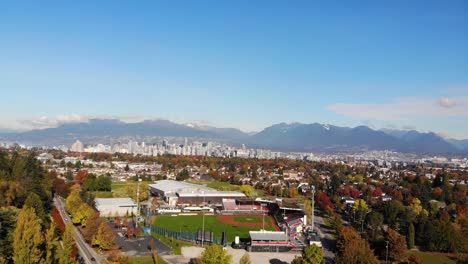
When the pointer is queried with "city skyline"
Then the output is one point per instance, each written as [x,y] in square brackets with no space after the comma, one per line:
[242,65]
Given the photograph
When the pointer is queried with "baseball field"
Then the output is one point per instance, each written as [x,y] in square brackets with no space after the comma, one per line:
[233,225]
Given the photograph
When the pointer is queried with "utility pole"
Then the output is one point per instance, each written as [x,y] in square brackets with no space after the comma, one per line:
[386,255]
[313,204]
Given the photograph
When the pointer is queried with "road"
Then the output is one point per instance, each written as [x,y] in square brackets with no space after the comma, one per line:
[86,252]
[327,238]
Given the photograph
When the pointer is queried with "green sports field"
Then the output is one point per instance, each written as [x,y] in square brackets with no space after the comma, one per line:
[212,223]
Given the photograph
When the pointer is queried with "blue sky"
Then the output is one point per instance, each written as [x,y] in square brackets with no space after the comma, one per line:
[244,64]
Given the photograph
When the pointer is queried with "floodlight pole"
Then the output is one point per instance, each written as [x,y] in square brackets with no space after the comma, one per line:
[138,202]
[313,203]
[203,224]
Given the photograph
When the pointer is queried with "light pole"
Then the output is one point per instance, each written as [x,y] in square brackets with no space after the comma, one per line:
[313,203]
[203,217]
[138,202]
[263,216]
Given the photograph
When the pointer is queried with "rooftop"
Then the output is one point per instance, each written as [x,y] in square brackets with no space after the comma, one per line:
[268,235]
[114,202]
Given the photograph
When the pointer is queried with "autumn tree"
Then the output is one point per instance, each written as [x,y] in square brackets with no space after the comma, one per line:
[73,201]
[357,251]
[312,255]
[51,244]
[104,237]
[65,253]
[396,246]
[352,249]
[245,259]
[28,240]
[92,225]
[215,254]
[247,190]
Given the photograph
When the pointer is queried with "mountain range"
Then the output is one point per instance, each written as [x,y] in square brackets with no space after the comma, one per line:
[285,137]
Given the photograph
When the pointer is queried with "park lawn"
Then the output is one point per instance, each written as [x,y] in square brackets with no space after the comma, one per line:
[147,260]
[429,258]
[194,223]
[119,189]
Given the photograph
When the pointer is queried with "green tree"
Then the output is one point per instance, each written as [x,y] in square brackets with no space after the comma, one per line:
[411,236]
[375,220]
[28,240]
[183,175]
[308,208]
[245,259]
[312,255]
[215,254]
[8,218]
[34,201]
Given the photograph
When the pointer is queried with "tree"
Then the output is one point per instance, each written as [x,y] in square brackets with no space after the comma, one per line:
[183,175]
[51,244]
[392,211]
[312,255]
[308,208]
[396,245]
[375,220]
[82,214]
[68,246]
[28,240]
[34,201]
[245,259]
[151,244]
[8,218]
[73,201]
[215,254]
[247,190]
[92,225]
[357,251]
[411,236]
[104,237]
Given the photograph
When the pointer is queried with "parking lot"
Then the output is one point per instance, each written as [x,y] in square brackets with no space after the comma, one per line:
[137,246]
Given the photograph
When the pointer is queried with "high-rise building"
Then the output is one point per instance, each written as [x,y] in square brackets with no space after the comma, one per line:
[77,146]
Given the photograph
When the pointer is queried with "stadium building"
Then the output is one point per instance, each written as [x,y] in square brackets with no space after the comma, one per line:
[269,241]
[175,192]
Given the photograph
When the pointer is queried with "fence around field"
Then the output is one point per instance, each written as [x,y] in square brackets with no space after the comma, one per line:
[193,237]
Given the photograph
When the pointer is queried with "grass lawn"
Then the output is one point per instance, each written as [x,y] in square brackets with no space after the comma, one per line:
[147,260]
[119,189]
[429,258]
[252,219]
[194,223]
[103,194]
[174,244]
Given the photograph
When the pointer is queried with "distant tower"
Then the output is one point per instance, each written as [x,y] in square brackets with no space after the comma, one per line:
[77,146]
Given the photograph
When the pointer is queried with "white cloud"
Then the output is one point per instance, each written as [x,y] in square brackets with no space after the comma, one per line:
[447,102]
[405,108]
